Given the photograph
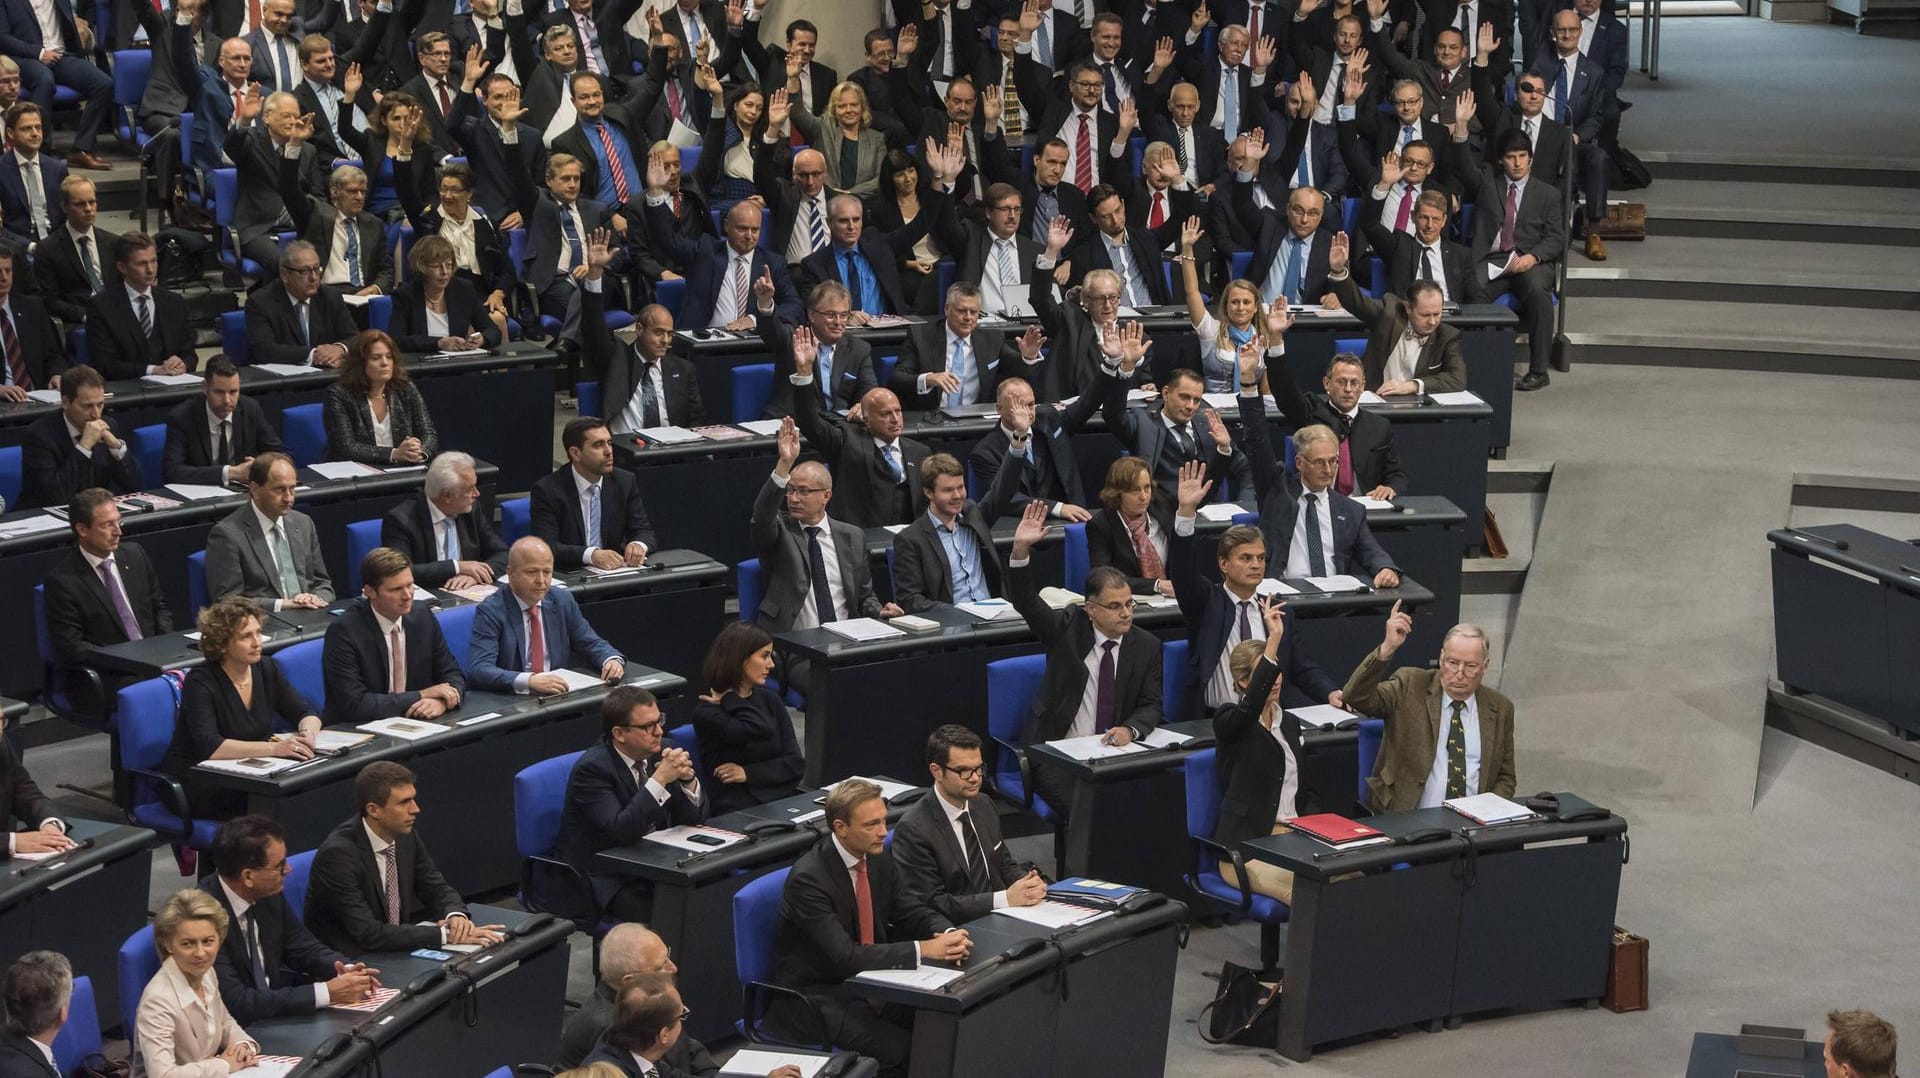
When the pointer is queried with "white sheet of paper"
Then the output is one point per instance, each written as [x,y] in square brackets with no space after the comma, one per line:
[766,428]
[196,492]
[1495,270]
[1165,739]
[44,396]
[404,728]
[681,837]
[45,522]
[1016,299]
[1488,808]
[668,435]
[1129,312]
[861,629]
[35,858]
[458,353]
[1220,512]
[1049,914]
[353,300]
[758,1062]
[1460,397]
[268,1067]
[893,529]
[422,595]
[478,719]
[335,740]
[888,788]
[1270,586]
[914,623]
[1155,602]
[1320,715]
[252,765]
[1368,396]
[282,369]
[576,680]
[928,977]
[171,379]
[344,469]
[1135,396]
[1222,402]
[990,610]
[1338,583]
[1372,503]
[401,469]
[1092,747]
[623,570]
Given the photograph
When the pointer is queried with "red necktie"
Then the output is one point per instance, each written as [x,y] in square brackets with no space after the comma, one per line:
[253,14]
[613,164]
[676,205]
[536,642]
[1406,208]
[673,97]
[1083,155]
[1343,480]
[446,103]
[16,362]
[1159,215]
[1506,222]
[863,902]
[1253,22]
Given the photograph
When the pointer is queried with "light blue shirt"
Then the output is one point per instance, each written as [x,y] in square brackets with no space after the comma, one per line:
[1435,791]
[963,561]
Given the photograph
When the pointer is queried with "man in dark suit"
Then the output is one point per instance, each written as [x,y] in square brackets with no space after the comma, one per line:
[628,953]
[605,48]
[948,37]
[1045,194]
[1426,254]
[1443,75]
[948,846]
[213,93]
[589,511]
[560,236]
[877,470]
[946,554]
[598,128]
[642,384]
[1132,254]
[995,253]
[265,550]
[362,265]
[691,218]
[212,441]
[1328,67]
[843,362]
[1369,466]
[38,989]
[1603,40]
[794,187]
[1156,198]
[866,262]
[258,153]
[374,883]
[499,33]
[269,964]
[1198,148]
[104,590]
[1182,427]
[844,910]
[1409,349]
[622,788]
[65,61]
[25,806]
[1311,155]
[1519,237]
[987,159]
[34,358]
[1097,636]
[297,319]
[334,135]
[383,657]
[450,545]
[276,45]
[813,568]
[135,327]
[1289,263]
[1447,735]
[27,223]
[434,88]
[671,95]
[722,274]
[895,92]
[1233,95]
[1579,96]
[1222,616]
[1552,141]
[72,263]
[67,451]
[954,363]
[507,175]
[1052,474]
[810,86]
[528,629]
[1075,117]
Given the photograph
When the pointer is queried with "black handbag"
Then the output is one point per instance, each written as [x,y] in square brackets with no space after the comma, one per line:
[99,1066]
[1245,1011]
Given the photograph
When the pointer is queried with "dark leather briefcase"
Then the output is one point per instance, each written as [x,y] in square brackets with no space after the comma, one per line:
[1627,973]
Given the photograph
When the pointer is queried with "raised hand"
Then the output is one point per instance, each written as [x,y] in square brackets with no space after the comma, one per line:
[779,106]
[1279,321]
[1399,625]
[1031,529]
[1201,17]
[1163,54]
[908,41]
[353,81]
[1133,344]
[1129,116]
[1307,7]
[1357,75]
[787,445]
[736,14]
[1273,612]
[1486,45]
[1337,253]
[1029,19]
[656,173]
[1059,234]
[796,63]
[1391,170]
[1190,231]
[804,351]
[655,29]
[991,106]
[302,129]
[1264,51]
[475,63]
[1463,111]
[599,252]
[1193,487]
[1031,342]
[1248,359]
[250,104]
[1309,97]
[1377,9]
[1216,426]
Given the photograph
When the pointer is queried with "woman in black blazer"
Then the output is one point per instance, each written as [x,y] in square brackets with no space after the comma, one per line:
[374,414]
[1130,509]
[746,738]
[1253,766]
[479,252]
[230,707]
[436,310]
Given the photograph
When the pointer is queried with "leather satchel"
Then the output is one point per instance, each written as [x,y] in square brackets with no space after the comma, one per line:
[1624,221]
[1491,540]
[1626,973]
[1246,1010]
[99,1066]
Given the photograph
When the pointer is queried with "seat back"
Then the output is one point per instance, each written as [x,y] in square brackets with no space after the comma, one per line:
[1011,684]
[516,519]
[11,474]
[682,737]
[588,397]
[1203,797]
[132,70]
[149,448]
[689,160]
[77,345]
[300,664]
[380,312]
[197,596]
[883,367]
[752,385]
[362,537]
[671,294]
[139,961]
[233,337]
[80,1037]
[747,578]
[145,715]
[539,795]
[1238,263]
[456,624]
[756,915]
[1077,559]
[1173,670]
[303,428]
[1371,731]
[1355,345]
[299,874]
[42,639]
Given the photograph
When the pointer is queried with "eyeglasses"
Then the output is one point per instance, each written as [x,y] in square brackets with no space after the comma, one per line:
[1459,666]
[834,316]
[685,1013]
[963,772]
[650,727]
[805,491]
[1127,604]
[301,271]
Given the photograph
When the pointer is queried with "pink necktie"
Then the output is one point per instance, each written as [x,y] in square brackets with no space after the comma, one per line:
[396,662]
[1406,207]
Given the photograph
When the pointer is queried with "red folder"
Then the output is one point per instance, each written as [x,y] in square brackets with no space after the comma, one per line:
[1337,831]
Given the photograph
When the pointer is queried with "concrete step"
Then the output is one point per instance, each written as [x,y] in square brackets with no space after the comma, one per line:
[1751,271]
[1746,336]
[1741,166]
[1753,209]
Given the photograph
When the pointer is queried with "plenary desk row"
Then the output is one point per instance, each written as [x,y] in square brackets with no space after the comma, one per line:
[498,405]
[662,617]
[1486,343]
[462,1017]
[701,493]
[82,903]
[871,704]
[466,777]
[693,893]
[1846,619]
[1481,919]
[170,535]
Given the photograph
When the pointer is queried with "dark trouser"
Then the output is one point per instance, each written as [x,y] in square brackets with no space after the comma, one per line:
[95,87]
[624,900]
[264,249]
[1532,293]
[164,150]
[561,300]
[1590,158]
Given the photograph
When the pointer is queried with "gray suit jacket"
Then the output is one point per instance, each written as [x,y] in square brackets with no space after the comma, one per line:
[784,572]
[239,563]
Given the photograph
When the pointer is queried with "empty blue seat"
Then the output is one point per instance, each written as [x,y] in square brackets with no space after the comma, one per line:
[516,519]
[752,386]
[1079,563]
[380,312]
[139,961]
[587,399]
[197,596]
[456,624]
[756,915]
[303,428]
[747,581]
[548,883]
[149,449]
[1011,684]
[233,337]
[11,474]
[299,874]
[362,536]
[671,295]
[300,664]
[73,691]
[1173,680]
[146,714]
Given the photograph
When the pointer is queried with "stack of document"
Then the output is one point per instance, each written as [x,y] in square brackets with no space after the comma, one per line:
[1271,587]
[1489,809]
[43,522]
[699,839]
[253,766]
[1372,503]
[1163,738]
[913,623]
[1461,397]
[1049,914]
[1368,396]
[370,1004]
[888,788]
[1337,584]
[1222,402]
[758,1061]
[1220,512]
[171,379]
[1061,598]
[195,492]
[927,977]
[458,353]
[403,728]
[765,428]
[1323,716]
[282,369]
[577,681]
[1093,747]
[344,469]
[45,396]
[860,630]
[268,1067]
[991,610]
[667,435]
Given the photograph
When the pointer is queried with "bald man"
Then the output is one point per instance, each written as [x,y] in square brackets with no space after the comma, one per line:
[721,273]
[627,952]
[642,383]
[798,205]
[257,151]
[528,629]
[814,568]
[876,470]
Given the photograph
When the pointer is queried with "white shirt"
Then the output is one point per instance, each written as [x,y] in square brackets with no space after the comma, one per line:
[379,860]
[581,484]
[1569,65]
[992,293]
[1298,563]
[1070,134]
[36,185]
[727,305]
[879,915]
[92,244]
[113,568]
[1587,25]
[572,210]
[808,616]
[1086,719]
[1431,252]
[1220,688]
[800,245]
[1435,791]
[240,906]
[382,428]
[953,812]
[49,20]
[634,416]
[460,234]
[1290,783]
[1390,211]
[969,379]
[1191,177]
[1404,360]
[437,519]
[266,527]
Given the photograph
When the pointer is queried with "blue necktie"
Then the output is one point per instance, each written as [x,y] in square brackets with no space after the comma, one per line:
[1043,41]
[451,538]
[823,607]
[576,254]
[1303,173]
[353,255]
[1560,95]
[853,283]
[957,366]
[593,516]
[893,462]
[1406,135]
[823,370]
[1230,91]
[1290,280]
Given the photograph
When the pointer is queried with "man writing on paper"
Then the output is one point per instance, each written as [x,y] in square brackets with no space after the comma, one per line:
[948,846]
[621,789]
[1473,753]
[528,629]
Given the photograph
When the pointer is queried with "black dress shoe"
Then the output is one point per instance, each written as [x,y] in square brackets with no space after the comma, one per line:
[1530,381]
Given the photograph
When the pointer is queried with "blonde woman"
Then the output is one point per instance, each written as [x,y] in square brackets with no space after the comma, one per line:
[1236,318]
[855,152]
[183,1029]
